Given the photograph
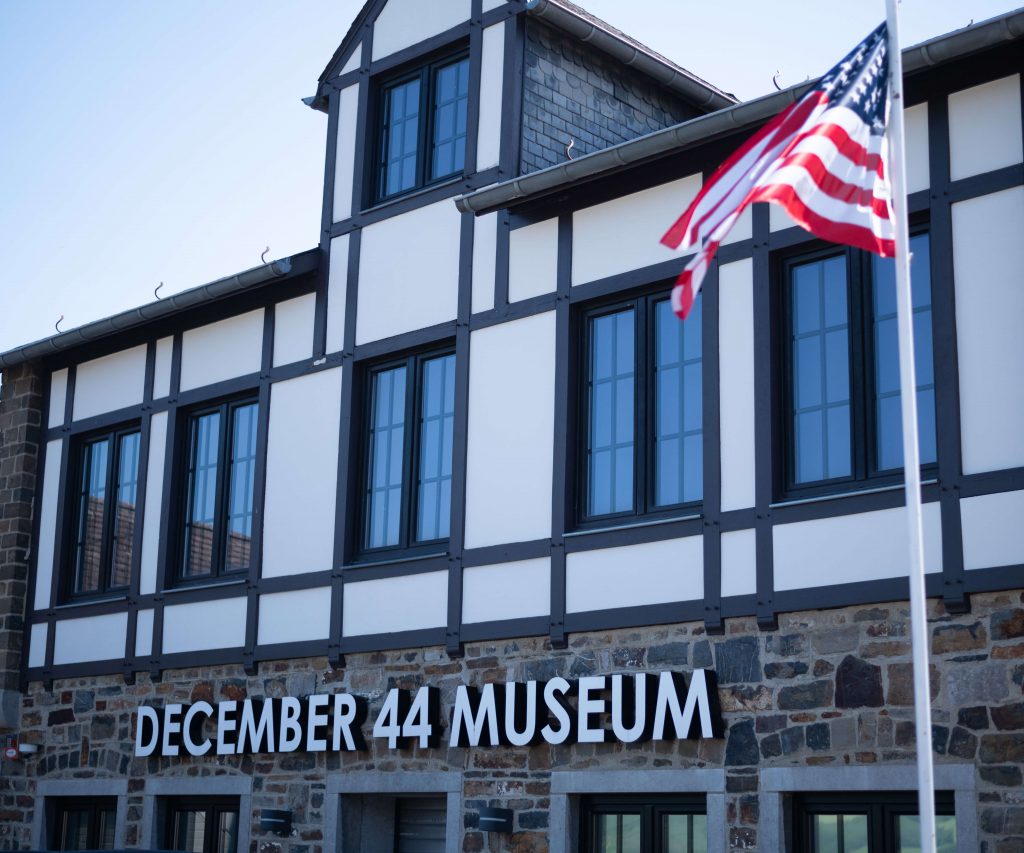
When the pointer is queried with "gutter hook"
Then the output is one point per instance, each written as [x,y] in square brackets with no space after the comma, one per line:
[57,325]
[775,80]
[263,257]
[156,291]
[569,147]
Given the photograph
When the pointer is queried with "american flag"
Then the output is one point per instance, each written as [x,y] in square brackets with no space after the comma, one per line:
[823,159]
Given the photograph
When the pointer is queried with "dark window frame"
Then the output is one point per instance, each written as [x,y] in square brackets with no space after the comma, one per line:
[58,807]
[644,509]
[650,807]
[211,806]
[407,545]
[865,472]
[424,69]
[183,462]
[882,809]
[73,519]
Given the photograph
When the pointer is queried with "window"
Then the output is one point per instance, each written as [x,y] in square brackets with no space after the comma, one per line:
[649,824]
[420,824]
[218,500]
[869,823]
[206,825]
[407,484]
[82,823]
[106,482]
[413,823]
[642,398]
[423,127]
[841,389]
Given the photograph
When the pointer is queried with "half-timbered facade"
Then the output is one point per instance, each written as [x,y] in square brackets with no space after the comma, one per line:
[463,444]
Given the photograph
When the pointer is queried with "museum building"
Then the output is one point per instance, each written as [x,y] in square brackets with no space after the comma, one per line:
[446,535]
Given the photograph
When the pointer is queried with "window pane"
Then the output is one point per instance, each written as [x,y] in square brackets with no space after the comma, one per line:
[681,833]
[108,822]
[238,541]
[451,96]
[204,447]
[909,828]
[821,371]
[855,833]
[387,445]
[400,137]
[189,831]
[227,832]
[74,832]
[421,824]
[92,503]
[437,425]
[825,833]
[612,410]
[617,833]
[678,406]
[888,420]
[124,517]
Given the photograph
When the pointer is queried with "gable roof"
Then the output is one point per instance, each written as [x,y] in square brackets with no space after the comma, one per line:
[577,22]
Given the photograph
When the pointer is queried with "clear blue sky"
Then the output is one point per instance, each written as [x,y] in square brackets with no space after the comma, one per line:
[149,142]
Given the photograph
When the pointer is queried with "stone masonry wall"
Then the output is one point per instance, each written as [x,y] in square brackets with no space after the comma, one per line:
[828,688]
[21,403]
[571,91]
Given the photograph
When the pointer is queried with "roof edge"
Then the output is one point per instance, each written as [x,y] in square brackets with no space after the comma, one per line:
[944,48]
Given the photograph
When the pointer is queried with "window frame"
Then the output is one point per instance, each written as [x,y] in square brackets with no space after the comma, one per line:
[226,407]
[882,808]
[407,544]
[76,468]
[424,69]
[211,806]
[644,509]
[864,470]
[650,807]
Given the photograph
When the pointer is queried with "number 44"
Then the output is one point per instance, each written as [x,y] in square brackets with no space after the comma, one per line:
[403,719]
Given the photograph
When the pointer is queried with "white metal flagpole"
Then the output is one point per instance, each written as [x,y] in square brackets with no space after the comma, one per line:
[911,454]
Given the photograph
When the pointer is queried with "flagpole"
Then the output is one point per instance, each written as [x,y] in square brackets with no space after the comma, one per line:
[911,453]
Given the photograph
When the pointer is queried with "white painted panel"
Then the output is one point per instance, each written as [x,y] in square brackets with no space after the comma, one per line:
[222,350]
[739,563]
[37,647]
[150,554]
[58,397]
[292,617]
[511,431]
[205,625]
[988,259]
[48,523]
[485,240]
[863,547]
[993,530]
[492,4]
[778,219]
[337,293]
[632,575]
[624,234]
[302,474]
[396,604]
[345,153]
[144,633]
[492,67]
[110,383]
[916,124]
[162,368]
[354,60]
[736,395]
[409,272]
[90,638]
[293,329]
[533,260]
[984,127]
[507,591]
[743,229]
[402,23]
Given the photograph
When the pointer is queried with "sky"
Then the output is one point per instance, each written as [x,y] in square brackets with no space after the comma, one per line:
[146,142]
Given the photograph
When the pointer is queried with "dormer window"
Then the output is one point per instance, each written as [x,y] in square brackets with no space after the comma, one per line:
[423,127]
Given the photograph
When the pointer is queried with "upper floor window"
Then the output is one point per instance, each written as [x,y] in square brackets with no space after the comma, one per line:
[841,388]
[423,127]
[644,444]
[407,486]
[105,497]
[218,500]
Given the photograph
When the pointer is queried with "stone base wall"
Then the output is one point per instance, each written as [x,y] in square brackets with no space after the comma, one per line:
[827,689]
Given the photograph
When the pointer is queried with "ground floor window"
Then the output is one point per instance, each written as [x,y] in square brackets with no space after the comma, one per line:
[83,823]
[202,825]
[420,824]
[623,824]
[885,822]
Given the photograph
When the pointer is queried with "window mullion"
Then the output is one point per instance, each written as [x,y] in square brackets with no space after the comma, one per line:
[109,512]
[425,130]
[221,497]
[410,439]
[643,416]
[861,362]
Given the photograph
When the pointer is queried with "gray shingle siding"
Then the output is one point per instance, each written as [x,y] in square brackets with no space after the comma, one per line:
[571,91]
